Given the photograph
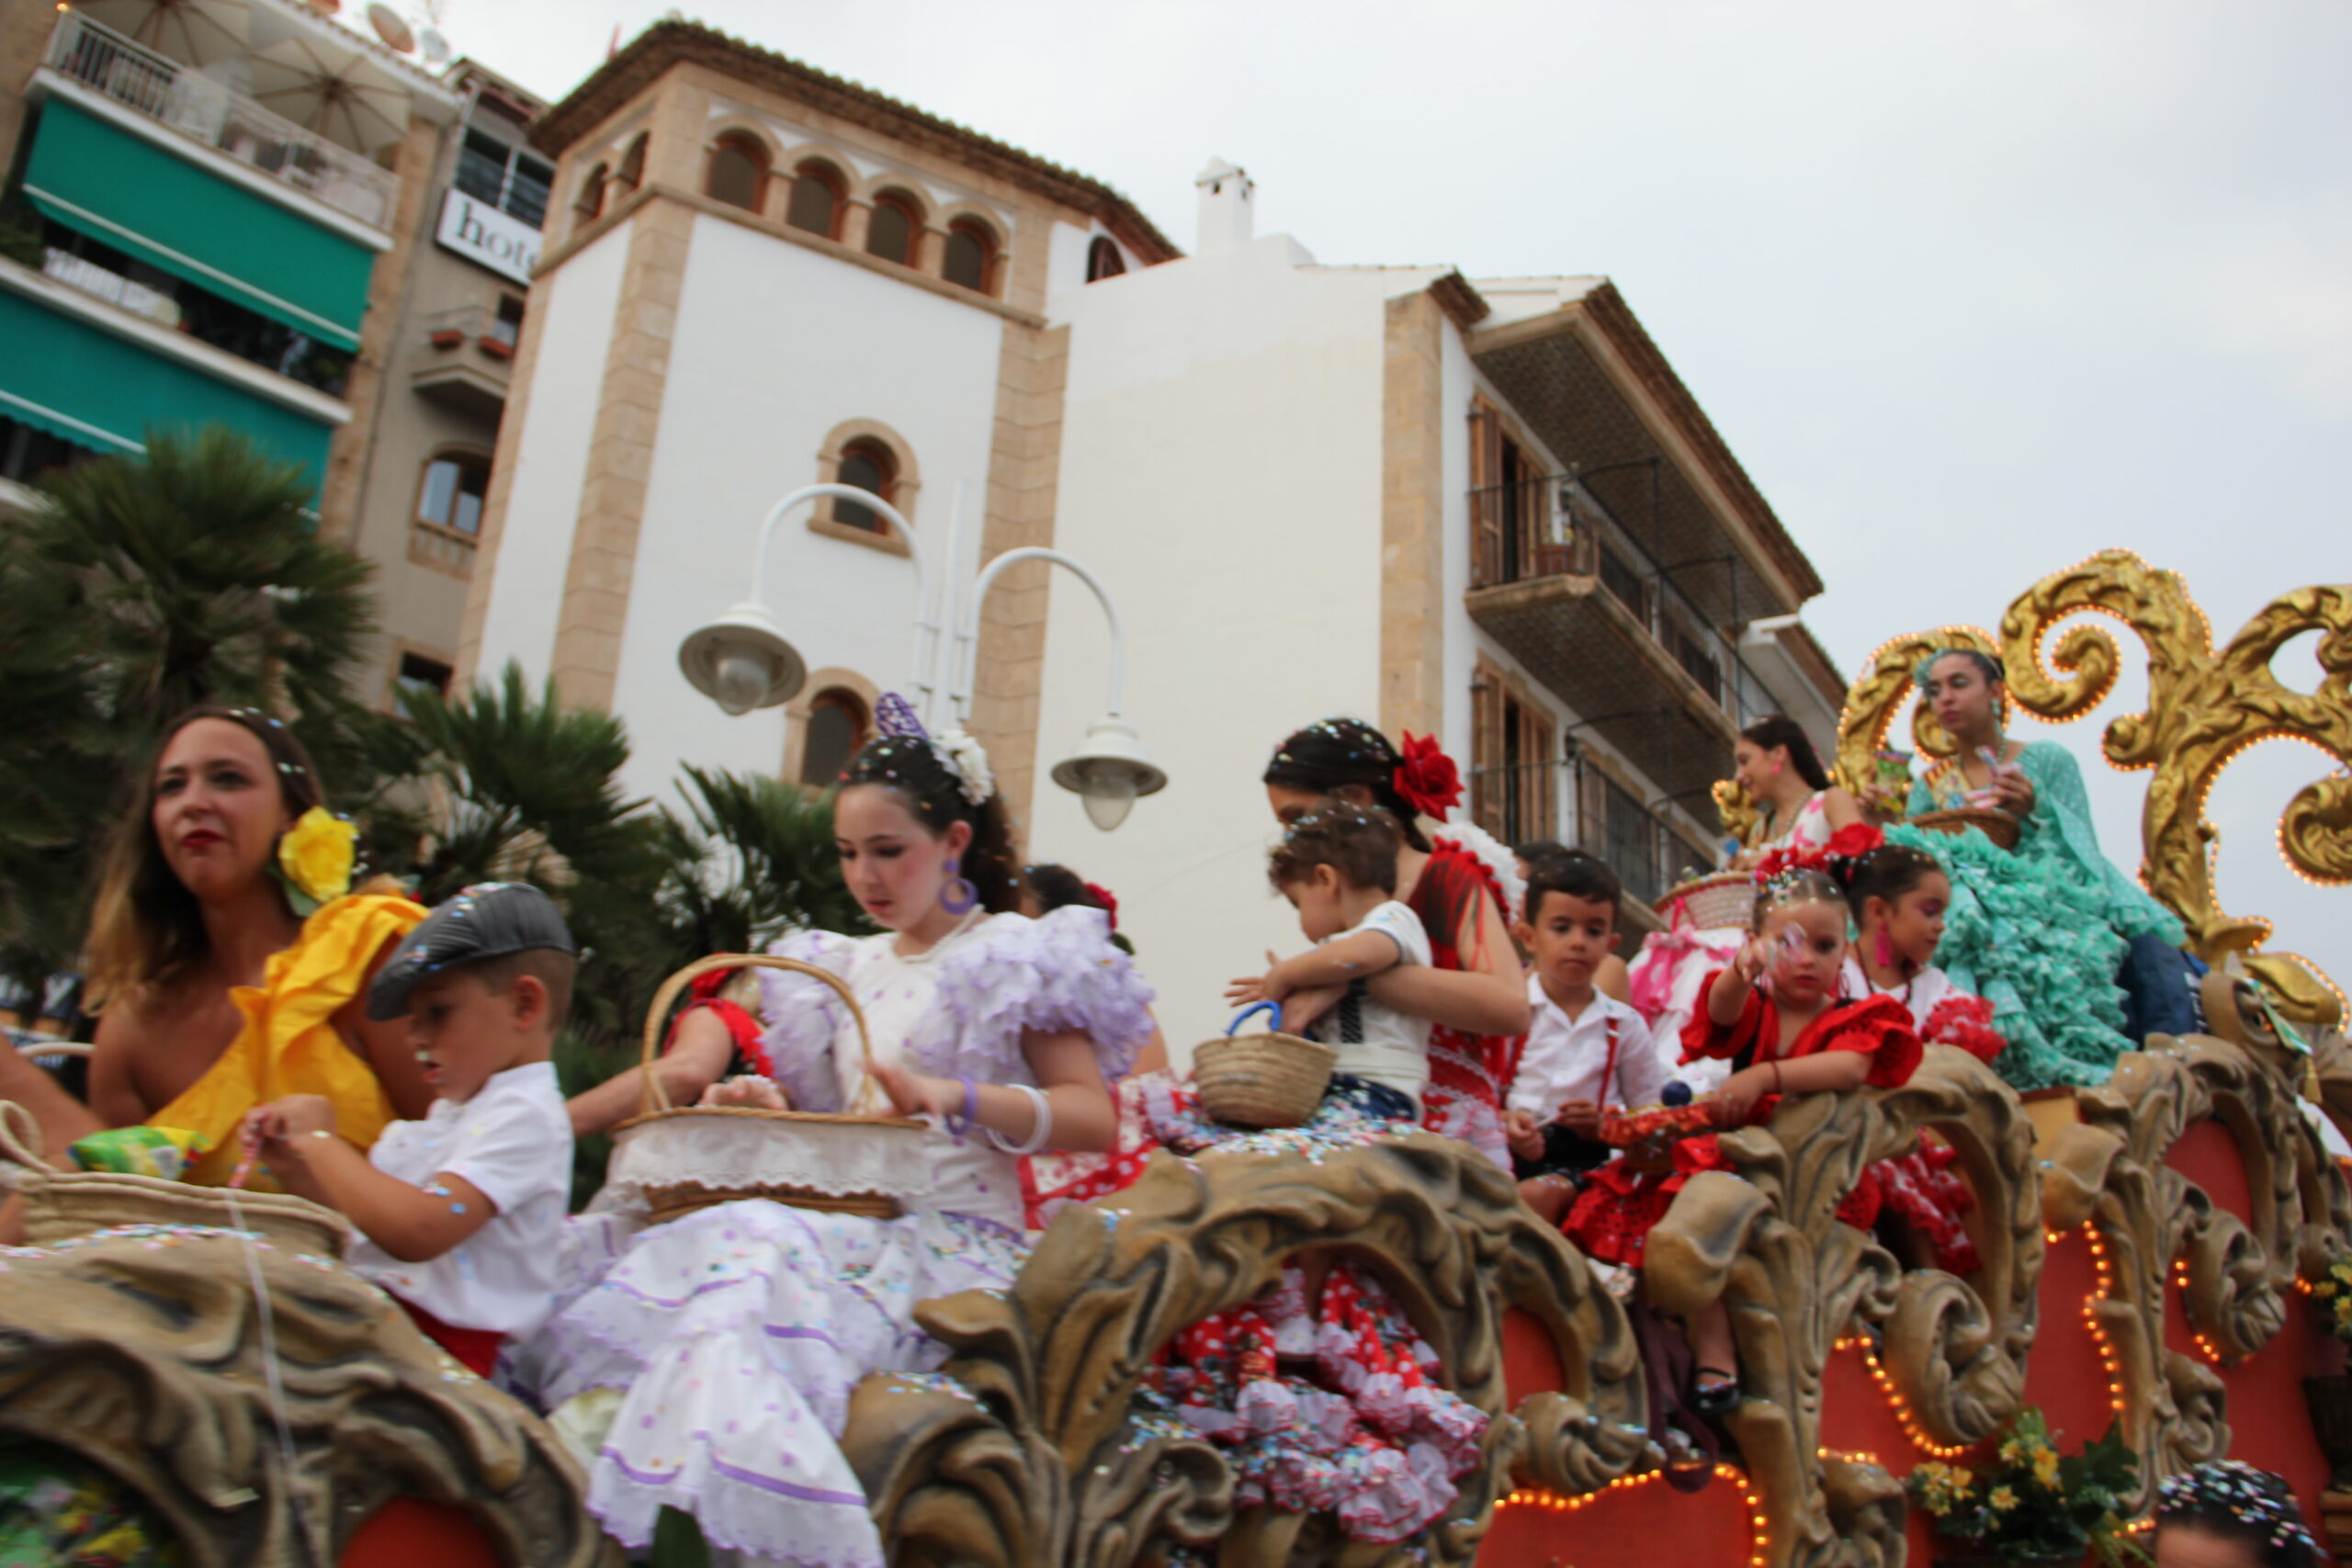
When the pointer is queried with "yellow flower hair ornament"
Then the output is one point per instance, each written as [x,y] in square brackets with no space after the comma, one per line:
[315,860]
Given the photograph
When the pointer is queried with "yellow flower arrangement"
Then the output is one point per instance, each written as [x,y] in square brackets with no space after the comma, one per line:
[2029,1501]
[315,858]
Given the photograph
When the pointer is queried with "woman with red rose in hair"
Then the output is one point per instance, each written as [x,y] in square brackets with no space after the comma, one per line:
[1462,885]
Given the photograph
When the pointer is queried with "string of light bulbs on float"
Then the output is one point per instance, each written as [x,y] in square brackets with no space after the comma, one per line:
[742,660]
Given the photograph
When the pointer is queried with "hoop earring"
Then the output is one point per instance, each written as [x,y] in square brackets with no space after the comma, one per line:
[958,896]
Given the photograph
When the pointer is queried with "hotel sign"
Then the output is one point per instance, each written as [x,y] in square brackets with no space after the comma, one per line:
[479,233]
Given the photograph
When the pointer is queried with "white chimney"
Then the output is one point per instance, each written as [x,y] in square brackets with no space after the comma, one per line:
[1229,207]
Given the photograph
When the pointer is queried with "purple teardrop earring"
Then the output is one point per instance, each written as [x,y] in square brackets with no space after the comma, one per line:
[958,894]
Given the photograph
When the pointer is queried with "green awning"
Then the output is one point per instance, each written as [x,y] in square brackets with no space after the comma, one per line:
[176,216]
[102,392]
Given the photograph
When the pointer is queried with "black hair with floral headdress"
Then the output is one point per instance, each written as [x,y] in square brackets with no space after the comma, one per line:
[2227,1498]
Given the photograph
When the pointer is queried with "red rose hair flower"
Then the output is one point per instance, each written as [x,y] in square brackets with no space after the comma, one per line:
[1102,897]
[1427,778]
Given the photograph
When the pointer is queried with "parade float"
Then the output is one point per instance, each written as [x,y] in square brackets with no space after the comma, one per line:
[2156,1253]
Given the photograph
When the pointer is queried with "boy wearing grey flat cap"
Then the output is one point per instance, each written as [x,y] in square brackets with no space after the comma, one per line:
[459,1215]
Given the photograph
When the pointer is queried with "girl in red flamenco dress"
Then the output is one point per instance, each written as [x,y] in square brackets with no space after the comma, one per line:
[1775,1014]
[1899,894]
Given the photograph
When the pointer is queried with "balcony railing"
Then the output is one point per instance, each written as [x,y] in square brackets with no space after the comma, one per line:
[1528,801]
[1554,526]
[204,111]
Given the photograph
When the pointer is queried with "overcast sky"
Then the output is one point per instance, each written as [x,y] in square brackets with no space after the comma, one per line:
[1972,288]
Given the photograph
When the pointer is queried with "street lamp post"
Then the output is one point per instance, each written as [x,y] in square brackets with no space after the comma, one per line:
[742,660]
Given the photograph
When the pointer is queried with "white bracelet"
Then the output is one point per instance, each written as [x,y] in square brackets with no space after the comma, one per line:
[1037,1133]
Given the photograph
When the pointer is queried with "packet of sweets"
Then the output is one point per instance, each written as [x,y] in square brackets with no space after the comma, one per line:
[165,1152]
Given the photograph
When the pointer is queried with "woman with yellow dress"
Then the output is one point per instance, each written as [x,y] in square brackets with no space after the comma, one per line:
[228,956]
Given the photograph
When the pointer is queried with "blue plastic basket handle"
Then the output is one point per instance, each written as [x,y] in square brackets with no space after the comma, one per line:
[1252,1011]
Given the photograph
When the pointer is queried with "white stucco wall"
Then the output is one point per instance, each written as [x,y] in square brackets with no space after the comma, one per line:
[1221,472]
[776,346]
[575,307]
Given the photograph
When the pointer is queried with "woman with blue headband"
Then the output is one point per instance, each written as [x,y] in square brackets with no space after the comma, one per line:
[2079,962]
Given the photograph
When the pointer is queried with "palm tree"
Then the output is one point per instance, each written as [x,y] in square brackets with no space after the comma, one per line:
[201,577]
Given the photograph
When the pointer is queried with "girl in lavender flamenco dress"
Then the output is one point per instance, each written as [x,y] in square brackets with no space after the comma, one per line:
[729,1339]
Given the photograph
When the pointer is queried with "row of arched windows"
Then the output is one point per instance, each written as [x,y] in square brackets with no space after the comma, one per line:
[816,201]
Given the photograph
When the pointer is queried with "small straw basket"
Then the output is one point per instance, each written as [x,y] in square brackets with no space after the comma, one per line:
[682,1159]
[1727,899]
[1997,825]
[1262,1080]
[62,1204]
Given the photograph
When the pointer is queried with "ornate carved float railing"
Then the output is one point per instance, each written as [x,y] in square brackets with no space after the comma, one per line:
[143,1356]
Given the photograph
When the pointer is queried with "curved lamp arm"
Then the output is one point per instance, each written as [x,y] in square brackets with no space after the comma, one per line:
[926,615]
[967,631]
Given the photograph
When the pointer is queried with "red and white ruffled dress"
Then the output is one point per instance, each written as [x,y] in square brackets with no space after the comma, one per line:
[1612,1217]
[1922,1186]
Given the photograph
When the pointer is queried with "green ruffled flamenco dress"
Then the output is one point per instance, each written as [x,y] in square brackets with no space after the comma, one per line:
[2039,932]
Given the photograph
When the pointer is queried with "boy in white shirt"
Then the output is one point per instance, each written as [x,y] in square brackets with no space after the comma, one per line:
[460,1215]
[1337,865]
[1585,1052]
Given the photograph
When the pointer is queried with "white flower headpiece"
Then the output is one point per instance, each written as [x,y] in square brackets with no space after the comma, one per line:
[964,757]
[961,755]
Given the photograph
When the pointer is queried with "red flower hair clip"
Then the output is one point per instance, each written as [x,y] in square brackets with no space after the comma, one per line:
[1427,778]
[1102,897]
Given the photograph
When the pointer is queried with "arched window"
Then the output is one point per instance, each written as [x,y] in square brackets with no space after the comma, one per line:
[869,466]
[837,727]
[816,203]
[451,497]
[632,170]
[589,205]
[972,256]
[1103,260]
[739,172]
[891,235]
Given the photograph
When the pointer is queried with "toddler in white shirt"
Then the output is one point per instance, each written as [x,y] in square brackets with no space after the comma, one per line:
[459,1215]
[1585,1052]
[1337,865]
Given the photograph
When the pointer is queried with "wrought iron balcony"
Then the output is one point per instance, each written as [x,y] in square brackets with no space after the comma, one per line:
[1578,804]
[204,111]
[1559,582]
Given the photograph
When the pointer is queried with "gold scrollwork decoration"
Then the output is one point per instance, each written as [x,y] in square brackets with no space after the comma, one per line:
[2203,710]
[1876,698]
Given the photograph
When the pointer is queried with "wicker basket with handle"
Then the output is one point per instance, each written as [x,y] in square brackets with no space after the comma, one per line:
[1997,825]
[62,1204]
[1712,903]
[1262,1080]
[682,1159]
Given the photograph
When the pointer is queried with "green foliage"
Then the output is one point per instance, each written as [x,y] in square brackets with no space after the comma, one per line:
[2035,1503]
[2332,1294]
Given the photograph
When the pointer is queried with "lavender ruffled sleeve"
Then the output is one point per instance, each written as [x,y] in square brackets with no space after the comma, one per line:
[1056,974]
[804,1016]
